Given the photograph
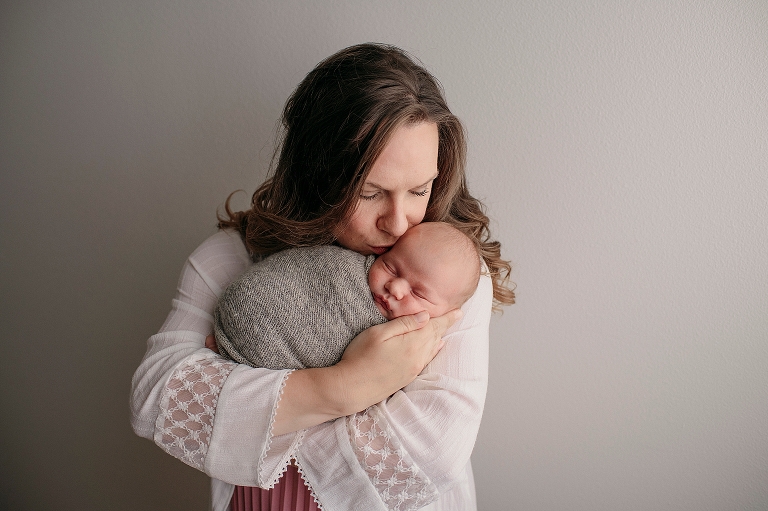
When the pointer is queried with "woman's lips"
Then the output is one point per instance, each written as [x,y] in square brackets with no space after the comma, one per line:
[380,250]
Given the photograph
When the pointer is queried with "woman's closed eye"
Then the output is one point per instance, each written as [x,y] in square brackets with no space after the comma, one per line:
[376,195]
[371,196]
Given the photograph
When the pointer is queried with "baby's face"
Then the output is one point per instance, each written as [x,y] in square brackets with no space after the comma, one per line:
[406,280]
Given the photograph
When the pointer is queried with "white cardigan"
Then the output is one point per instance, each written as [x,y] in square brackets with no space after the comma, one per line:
[406,452]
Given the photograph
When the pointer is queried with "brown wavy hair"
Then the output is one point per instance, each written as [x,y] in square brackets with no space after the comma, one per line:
[334,126]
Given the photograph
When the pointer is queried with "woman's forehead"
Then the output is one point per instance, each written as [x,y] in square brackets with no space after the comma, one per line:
[409,159]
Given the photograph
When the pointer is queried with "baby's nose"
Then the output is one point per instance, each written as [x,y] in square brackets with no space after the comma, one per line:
[398,288]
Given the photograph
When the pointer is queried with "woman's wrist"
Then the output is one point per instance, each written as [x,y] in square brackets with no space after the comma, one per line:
[378,362]
[311,397]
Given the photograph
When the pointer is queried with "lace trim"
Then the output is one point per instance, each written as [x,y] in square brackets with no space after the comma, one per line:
[397,479]
[306,483]
[187,409]
[289,455]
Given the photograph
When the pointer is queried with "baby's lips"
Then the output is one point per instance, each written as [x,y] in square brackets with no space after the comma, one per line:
[384,303]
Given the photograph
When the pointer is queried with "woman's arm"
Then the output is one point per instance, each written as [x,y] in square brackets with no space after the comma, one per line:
[407,450]
[376,364]
[209,412]
[219,416]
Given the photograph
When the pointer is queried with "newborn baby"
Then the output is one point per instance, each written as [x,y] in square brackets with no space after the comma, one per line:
[301,307]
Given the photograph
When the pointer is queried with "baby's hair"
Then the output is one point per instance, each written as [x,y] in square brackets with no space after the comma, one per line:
[460,248]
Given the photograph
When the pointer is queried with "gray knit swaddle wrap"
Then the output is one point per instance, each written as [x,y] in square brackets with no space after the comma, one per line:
[297,308]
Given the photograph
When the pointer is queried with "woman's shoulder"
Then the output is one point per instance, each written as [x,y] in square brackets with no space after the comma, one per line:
[484,292]
[221,257]
[477,310]
[224,243]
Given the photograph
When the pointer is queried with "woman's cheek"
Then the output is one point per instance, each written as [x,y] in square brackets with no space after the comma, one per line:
[416,215]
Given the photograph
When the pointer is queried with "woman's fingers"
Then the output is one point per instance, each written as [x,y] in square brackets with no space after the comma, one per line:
[404,324]
[442,323]
[210,343]
[431,345]
[411,345]
[387,357]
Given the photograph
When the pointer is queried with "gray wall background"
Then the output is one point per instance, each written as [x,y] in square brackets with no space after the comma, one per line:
[621,150]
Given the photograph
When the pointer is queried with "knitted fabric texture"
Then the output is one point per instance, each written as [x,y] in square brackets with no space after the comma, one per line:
[297,308]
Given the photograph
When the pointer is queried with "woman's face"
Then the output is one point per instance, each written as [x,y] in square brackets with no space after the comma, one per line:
[396,192]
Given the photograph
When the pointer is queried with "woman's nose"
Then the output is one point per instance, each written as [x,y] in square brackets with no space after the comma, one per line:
[394,221]
[398,288]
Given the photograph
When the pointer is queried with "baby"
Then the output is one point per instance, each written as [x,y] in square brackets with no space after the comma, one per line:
[301,307]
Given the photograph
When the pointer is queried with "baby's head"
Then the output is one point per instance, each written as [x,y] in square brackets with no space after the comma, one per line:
[433,267]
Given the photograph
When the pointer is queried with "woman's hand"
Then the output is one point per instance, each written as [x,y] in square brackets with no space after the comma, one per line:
[377,363]
[385,358]
[210,343]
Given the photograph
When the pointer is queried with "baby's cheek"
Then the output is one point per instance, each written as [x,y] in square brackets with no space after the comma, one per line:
[413,307]
[438,310]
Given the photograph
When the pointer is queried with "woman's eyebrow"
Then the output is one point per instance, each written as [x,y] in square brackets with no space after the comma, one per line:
[425,183]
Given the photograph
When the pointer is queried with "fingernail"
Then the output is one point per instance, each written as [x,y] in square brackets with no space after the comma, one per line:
[422,317]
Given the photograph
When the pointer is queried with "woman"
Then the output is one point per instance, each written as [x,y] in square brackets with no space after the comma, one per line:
[369,149]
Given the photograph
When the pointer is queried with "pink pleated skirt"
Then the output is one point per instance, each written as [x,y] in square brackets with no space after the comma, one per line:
[289,494]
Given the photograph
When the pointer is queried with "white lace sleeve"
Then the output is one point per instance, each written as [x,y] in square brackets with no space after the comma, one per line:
[185,422]
[209,412]
[394,474]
